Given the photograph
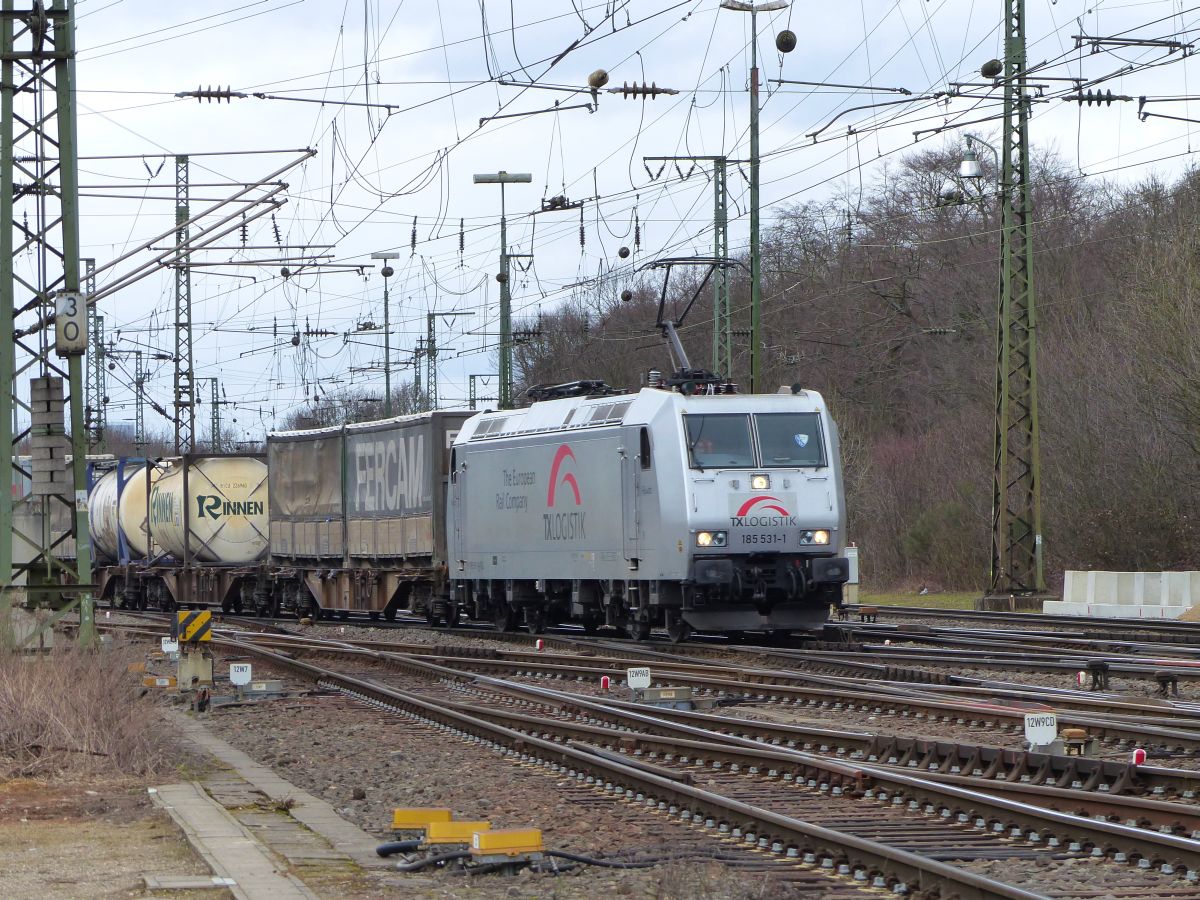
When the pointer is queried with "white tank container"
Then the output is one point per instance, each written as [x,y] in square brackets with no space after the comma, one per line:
[226,510]
[102,516]
[115,509]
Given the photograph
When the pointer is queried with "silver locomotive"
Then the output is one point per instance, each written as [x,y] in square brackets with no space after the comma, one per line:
[716,512]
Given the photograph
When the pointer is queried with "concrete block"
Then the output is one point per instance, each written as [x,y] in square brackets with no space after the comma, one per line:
[1112,610]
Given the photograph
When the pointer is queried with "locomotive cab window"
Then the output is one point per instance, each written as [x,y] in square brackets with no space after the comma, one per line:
[790,439]
[719,441]
[644,449]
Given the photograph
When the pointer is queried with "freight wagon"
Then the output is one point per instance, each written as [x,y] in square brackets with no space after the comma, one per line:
[181,531]
[357,515]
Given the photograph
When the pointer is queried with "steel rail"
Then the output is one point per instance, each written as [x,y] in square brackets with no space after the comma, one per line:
[914,753]
[883,865]
[790,765]
[879,698]
[992,811]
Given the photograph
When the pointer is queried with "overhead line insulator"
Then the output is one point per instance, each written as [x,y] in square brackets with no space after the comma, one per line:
[651,90]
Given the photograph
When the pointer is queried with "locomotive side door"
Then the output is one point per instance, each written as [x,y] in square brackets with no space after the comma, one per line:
[631,495]
[639,495]
[457,485]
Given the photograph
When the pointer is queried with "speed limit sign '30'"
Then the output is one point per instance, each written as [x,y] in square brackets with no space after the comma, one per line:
[70,324]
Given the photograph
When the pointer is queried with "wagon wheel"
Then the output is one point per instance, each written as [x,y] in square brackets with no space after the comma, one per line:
[504,617]
[591,624]
[677,629]
[535,619]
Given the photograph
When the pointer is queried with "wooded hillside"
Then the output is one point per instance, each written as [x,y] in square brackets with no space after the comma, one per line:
[891,314]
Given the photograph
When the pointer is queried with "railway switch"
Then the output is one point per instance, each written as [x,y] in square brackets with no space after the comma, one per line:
[1076,742]
[1168,683]
[1098,669]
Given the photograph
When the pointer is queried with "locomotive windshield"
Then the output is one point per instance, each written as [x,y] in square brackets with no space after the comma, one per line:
[790,439]
[719,441]
[726,441]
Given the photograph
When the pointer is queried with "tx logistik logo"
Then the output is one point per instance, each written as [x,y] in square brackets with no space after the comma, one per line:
[563,526]
[750,513]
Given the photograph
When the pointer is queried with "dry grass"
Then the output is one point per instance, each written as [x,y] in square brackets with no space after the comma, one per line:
[713,881]
[938,600]
[77,712]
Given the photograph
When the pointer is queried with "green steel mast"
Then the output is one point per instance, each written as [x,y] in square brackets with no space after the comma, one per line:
[39,285]
[1016,483]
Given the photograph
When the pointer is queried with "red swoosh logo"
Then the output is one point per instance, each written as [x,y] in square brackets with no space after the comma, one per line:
[564,453]
[749,504]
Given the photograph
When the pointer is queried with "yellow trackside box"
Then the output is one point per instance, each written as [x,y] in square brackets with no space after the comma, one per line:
[162,681]
[194,625]
[454,832]
[508,841]
[418,817]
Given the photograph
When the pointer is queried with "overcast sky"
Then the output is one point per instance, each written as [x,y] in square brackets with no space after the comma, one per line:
[377,169]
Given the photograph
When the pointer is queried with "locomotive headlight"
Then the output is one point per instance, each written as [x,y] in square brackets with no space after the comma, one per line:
[710,539]
[760,482]
[820,537]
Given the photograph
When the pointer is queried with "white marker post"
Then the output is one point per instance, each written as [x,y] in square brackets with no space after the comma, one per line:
[170,648]
[239,676]
[1041,729]
[638,679]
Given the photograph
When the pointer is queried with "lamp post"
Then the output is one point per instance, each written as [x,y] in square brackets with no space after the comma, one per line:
[387,272]
[755,255]
[506,377]
[970,167]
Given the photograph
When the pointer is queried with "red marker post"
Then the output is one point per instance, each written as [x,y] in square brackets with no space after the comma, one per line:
[1139,757]
[605,682]
[539,644]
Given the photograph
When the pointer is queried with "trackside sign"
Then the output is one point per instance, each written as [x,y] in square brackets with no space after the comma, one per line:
[1041,728]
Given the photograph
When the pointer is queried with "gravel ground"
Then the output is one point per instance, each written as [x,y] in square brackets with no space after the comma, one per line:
[70,841]
[389,760]
[366,763]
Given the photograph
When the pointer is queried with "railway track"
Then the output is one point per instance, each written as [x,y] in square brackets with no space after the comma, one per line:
[964,823]
[868,861]
[758,770]
[946,756]
[904,701]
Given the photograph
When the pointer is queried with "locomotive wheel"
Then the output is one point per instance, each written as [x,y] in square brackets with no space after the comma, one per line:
[504,618]
[390,614]
[591,625]
[638,630]
[677,629]
[536,621]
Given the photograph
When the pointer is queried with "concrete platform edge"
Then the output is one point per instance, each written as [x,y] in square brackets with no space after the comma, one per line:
[228,849]
[314,813]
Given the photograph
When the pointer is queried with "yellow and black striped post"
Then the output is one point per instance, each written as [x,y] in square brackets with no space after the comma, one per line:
[193,625]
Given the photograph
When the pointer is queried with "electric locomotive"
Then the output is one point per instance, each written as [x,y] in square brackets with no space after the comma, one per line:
[718,512]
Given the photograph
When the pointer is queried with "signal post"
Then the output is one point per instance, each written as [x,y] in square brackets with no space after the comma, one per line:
[193,630]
